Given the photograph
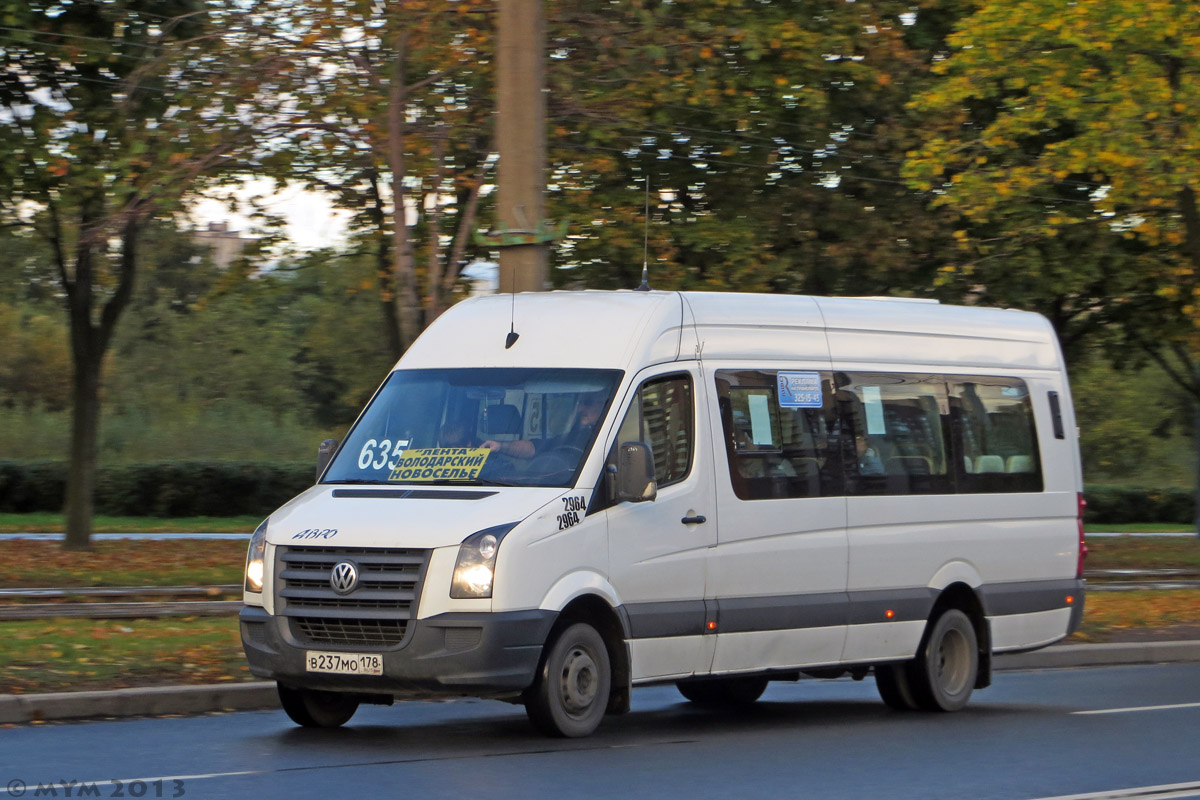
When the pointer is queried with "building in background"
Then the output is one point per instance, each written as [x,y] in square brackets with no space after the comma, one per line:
[226,245]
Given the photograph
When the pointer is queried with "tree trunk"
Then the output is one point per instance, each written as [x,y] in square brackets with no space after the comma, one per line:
[466,224]
[1196,452]
[407,299]
[384,277]
[88,344]
[432,302]
[85,428]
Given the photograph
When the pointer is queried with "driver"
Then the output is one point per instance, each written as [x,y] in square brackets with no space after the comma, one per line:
[587,415]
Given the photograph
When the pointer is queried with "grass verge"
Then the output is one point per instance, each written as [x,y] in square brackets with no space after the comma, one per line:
[186,562]
[1139,527]
[1140,616]
[1143,553]
[68,655]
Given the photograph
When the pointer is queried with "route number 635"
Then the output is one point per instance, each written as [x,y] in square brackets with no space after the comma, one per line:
[376,454]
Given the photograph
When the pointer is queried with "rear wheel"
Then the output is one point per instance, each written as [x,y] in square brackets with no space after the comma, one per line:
[722,692]
[571,692]
[314,708]
[943,674]
[892,682]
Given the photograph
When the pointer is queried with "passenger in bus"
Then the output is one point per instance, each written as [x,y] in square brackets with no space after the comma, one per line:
[869,462]
[457,432]
[587,414]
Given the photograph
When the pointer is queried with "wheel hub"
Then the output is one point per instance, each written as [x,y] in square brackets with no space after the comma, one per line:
[579,681]
[953,663]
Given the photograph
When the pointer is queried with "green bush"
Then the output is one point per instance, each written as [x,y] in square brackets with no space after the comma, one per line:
[1114,505]
[32,486]
[166,489]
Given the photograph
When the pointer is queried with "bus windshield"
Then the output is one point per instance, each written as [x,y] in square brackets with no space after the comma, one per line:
[492,426]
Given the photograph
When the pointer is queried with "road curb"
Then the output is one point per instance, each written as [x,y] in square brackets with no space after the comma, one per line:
[1099,655]
[148,702]
[162,700]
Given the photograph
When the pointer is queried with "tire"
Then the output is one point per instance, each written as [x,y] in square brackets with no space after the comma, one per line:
[570,694]
[314,708]
[722,692]
[892,682]
[943,674]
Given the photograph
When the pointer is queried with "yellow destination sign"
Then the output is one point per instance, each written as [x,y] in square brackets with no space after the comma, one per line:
[440,464]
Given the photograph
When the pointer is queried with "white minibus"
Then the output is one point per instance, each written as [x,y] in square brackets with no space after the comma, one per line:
[556,497]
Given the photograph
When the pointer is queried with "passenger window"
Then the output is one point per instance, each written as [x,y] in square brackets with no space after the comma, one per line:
[898,427]
[996,437]
[662,416]
[781,433]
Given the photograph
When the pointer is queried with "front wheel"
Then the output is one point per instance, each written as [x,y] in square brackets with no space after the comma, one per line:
[570,695]
[943,675]
[314,708]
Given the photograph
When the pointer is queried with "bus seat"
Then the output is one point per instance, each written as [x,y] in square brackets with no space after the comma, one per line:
[1019,464]
[989,463]
[502,420]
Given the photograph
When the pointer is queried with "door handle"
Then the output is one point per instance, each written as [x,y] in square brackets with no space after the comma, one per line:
[696,520]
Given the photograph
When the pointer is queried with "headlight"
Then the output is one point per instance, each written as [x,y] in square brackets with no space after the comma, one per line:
[254,559]
[475,568]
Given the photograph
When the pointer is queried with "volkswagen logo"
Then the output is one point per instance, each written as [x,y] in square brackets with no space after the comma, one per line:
[344,578]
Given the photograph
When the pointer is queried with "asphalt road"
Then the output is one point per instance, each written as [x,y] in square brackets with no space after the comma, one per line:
[1120,731]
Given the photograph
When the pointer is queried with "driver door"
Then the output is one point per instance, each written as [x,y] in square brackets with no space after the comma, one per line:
[658,549]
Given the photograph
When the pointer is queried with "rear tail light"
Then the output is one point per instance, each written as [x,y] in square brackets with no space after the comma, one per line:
[1083,551]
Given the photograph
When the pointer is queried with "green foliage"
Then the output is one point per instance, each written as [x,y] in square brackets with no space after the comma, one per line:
[1123,504]
[36,486]
[392,114]
[1134,425]
[771,135]
[224,431]
[1061,135]
[778,139]
[165,489]
[35,361]
[1058,134]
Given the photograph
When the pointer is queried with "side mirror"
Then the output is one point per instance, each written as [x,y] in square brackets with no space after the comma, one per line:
[325,451]
[634,473]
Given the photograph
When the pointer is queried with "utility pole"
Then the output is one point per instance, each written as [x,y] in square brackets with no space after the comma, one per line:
[521,135]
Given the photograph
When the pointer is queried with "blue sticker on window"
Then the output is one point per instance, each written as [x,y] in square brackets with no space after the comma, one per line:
[799,389]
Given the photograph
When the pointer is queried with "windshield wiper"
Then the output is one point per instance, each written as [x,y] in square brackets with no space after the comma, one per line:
[439,482]
[468,482]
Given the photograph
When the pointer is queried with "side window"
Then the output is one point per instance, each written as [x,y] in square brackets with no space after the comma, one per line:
[996,437]
[662,415]
[781,434]
[899,433]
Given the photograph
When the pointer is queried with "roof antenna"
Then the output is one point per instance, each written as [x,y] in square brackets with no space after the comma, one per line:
[512,337]
[645,287]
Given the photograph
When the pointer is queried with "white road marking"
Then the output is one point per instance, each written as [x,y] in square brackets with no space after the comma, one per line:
[1137,708]
[1165,791]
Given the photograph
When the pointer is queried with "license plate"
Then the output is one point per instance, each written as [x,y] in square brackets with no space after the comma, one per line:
[344,663]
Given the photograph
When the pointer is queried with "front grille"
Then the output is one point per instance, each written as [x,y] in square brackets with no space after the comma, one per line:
[363,632]
[375,614]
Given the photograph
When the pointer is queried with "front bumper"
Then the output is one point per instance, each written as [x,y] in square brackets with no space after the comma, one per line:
[475,654]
